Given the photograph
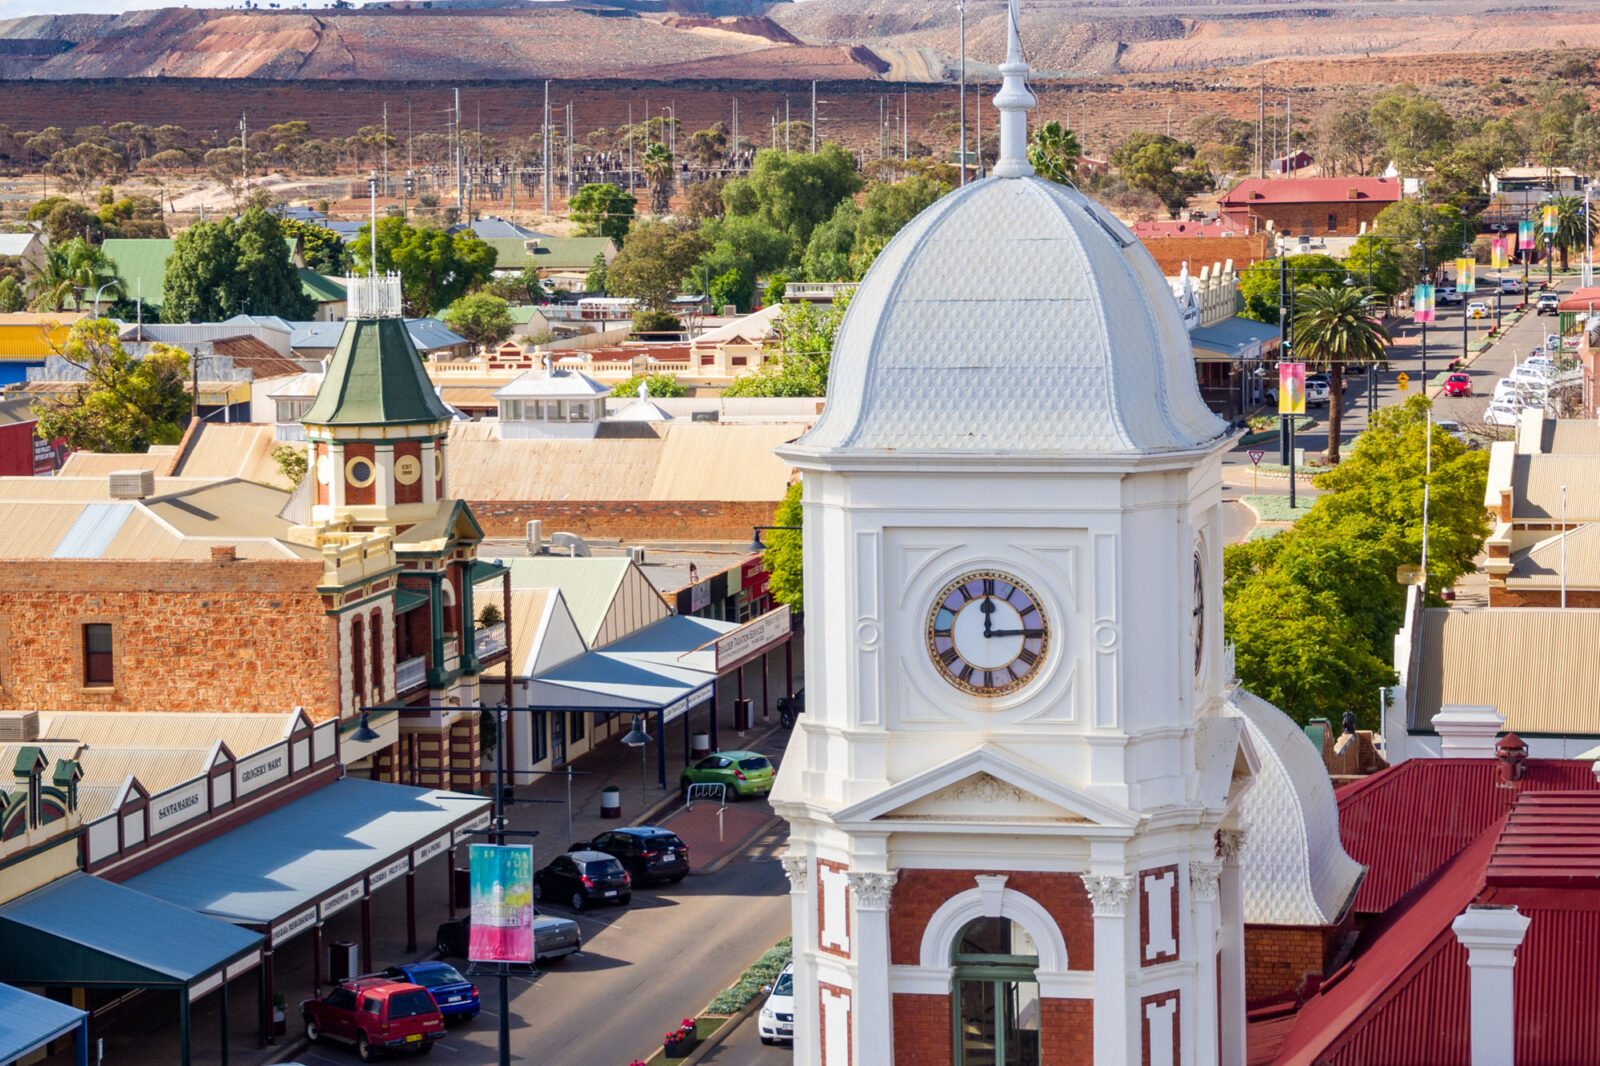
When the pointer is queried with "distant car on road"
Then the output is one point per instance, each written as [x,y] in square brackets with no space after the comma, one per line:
[1458,385]
[1511,286]
[456,996]
[1547,303]
[553,937]
[746,773]
[1317,392]
[1454,429]
[1477,309]
[1449,297]
[583,877]
[1502,413]
[647,852]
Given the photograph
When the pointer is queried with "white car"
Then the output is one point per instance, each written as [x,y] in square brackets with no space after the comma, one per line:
[1477,309]
[1447,297]
[1317,393]
[1502,413]
[776,1021]
[1511,286]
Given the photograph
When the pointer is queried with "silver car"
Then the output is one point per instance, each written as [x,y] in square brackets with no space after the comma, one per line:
[552,937]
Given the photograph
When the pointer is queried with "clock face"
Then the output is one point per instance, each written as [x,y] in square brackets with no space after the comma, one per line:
[987,634]
[1197,626]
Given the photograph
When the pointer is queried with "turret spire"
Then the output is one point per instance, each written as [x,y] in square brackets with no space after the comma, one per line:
[1014,101]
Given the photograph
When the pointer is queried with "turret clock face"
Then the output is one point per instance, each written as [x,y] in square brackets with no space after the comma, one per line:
[987,634]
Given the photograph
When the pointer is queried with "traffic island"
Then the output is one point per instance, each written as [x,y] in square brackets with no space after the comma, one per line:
[1276,508]
[732,1006]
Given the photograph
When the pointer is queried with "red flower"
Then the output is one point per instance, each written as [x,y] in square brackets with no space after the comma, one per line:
[688,1023]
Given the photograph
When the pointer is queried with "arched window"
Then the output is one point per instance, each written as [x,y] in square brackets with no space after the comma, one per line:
[358,661]
[377,655]
[996,994]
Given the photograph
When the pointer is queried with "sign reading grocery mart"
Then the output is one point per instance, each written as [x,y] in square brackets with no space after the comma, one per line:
[751,639]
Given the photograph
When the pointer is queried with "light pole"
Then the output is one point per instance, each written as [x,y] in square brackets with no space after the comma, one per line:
[638,738]
[1422,246]
[961,19]
[1169,122]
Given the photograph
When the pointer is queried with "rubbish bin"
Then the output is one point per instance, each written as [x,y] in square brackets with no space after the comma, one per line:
[742,715]
[700,745]
[343,961]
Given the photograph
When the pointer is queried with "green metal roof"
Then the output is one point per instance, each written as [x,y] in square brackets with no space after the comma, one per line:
[142,263]
[406,600]
[589,585]
[375,377]
[82,930]
[319,288]
[552,253]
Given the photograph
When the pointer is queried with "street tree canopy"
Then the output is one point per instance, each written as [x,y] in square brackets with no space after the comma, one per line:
[1259,284]
[483,319]
[805,336]
[220,269]
[653,263]
[436,268]
[784,557]
[124,404]
[792,191]
[601,209]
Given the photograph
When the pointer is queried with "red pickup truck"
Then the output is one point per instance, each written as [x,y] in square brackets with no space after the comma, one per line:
[374,1014]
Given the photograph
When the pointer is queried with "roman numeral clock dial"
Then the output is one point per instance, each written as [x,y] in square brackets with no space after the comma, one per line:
[987,634]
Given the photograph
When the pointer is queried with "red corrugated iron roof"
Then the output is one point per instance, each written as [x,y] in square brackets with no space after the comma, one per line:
[1551,840]
[1312,191]
[1405,822]
[1580,300]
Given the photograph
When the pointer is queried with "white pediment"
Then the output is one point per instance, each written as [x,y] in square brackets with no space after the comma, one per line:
[988,785]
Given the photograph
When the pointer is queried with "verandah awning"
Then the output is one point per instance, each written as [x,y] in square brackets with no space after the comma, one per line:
[31,1022]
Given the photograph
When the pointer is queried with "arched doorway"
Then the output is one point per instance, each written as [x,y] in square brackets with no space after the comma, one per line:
[995,994]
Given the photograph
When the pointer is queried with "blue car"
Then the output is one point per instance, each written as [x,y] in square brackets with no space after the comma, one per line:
[456,996]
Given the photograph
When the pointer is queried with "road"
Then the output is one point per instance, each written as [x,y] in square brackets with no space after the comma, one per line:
[744,1048]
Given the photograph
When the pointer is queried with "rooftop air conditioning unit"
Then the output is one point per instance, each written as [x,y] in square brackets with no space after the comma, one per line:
[535,536]
[572,542]
[18,726]
[637,555]
[132,484]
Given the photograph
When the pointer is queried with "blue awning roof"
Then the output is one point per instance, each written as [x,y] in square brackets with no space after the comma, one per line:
[82,930]
[29,1022]
[656,668]
[304,851]
[1236,338]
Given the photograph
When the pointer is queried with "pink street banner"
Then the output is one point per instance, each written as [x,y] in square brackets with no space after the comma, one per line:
[1291,388]
[502,904]
[1525,236]
[1422,304]
[1498,257]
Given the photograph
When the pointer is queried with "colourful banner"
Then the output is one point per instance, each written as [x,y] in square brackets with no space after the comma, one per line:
[1498,253]
[502,904]
[1466,276]
[1422,304]
[1550,219]
[1291,388]
[1525,236]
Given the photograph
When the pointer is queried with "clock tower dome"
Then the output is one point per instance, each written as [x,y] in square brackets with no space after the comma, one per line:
[1014,795]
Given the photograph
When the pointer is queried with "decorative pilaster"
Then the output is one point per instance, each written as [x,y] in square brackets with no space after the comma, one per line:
[1113,1020]
[803,924]
[1230,948]
[871,890]
[383,475]
[1204,879]
[797,870]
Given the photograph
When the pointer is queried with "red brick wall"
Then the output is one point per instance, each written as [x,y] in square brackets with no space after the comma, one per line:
[1278,959]
[918,893]
[411,493]
[1149,1035]
[206,636]
[1172,252]
[1504,597]
[359,494]
[1066,1031]
[675,520]
[922,1030]
[1290,219]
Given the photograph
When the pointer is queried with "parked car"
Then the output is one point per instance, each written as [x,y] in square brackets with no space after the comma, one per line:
[1458,385]
[1477,309]
[746,773]
[1317,393]
[776,1021]
[553,938]
[1535,373]
[456,996]
[1511,286]
[1454,429]
[647,852]
[1547,303]
[1327,379]
[1502,413]
[1449,297]
[582,878]
[375,1013]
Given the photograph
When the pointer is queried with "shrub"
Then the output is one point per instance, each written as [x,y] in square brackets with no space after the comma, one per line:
[763,971]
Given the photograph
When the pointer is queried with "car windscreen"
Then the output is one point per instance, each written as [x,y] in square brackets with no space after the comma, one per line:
[757,763]
[785,986]
[435,976]
[602,868]
[410,1004]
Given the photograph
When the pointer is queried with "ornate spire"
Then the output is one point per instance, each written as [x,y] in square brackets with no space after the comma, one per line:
[1014,101]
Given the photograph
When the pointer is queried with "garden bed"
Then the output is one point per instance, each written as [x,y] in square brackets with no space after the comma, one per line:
[1276,508]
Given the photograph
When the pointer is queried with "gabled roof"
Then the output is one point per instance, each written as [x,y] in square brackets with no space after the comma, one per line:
[1312,191]
[557,383]
[321,289]
[32,1021]
[551,253]
[375,377]
[587,585]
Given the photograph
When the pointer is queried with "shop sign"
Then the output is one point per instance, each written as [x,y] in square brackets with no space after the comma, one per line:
[465,830]
[752,638]
[171,809]
[388,873]
[699,596]
[263,768]
[756,578]
[290,926]
[340,899]
[429,850]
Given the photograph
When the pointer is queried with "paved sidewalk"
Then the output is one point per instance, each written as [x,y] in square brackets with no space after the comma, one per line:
[151,1038]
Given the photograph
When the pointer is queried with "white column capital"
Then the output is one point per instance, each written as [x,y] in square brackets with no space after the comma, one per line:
[797,870]
[1229,841]
[872,890]
[1203,879]
[1491,935]
[1109,893]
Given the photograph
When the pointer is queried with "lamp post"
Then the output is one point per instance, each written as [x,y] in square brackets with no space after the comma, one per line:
[1422,246]
[756,544]
[638,738]
[1466,250]
[961,20]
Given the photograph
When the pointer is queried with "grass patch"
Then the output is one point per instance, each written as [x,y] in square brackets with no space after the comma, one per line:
[1263,532]
[1276,508]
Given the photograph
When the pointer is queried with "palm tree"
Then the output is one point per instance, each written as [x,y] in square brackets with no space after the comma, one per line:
[73,270]
[657,168]
[1332,328]
[1570,226]
[1054,152]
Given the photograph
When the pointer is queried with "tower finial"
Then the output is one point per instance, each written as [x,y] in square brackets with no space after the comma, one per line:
[1014,101]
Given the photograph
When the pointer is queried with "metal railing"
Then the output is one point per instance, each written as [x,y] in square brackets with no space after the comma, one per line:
[488,640]
[411,673]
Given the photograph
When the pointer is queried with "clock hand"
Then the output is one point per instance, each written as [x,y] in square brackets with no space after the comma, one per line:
[987,607]
[1013,632]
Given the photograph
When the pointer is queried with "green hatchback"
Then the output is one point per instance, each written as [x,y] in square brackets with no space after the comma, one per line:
[746,773]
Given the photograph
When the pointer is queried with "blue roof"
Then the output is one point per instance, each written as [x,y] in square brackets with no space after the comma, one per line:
[651,669]
[28,1022]
[1233,335]
[293,856]
[83,930]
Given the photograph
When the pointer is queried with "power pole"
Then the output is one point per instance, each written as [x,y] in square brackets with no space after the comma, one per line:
[813,118]
[244,151]
[980,133]
[386,148]
[1288,131]
[1261,129]
[460,193]
[785,123]
[735,156]
[961,21]
[632,132]
[569,151]
[905,120]
[547,148]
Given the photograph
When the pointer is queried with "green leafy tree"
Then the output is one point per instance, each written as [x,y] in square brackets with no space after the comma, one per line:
[202,274]
[322,248]
[1570,233]
[64,219]
[436,268]
[1162,166]
[595,280]
[805,335]
[291,462]
[1054,152]
[268,282]
[733,287]
[1334,327]
[653,262]
[132,216]
[827,256]
[767,247]
[601,209]
[1260,282]
[483,319]
[661,386]
[1373,262]
[85,165]
[74,271]
[794,191]
[656,166]
[1441,229]
[12,296]
[1414,129]
[706,146]
[124,404]
[784,557]
[1347,140]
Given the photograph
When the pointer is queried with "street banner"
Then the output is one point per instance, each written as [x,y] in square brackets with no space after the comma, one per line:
[1525,236]
[502,904]
[1499,258]
[1466,276]
[1291,388]
[1422,304]
[1550,219]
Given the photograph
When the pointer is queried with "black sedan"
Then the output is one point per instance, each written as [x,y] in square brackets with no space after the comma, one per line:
[583,877]
[647,852]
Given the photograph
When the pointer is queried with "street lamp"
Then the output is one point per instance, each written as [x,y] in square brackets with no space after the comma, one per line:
[638,738]
[755,536]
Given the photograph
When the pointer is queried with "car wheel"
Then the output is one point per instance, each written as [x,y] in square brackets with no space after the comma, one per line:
[313,1033]
[625,900]
[427,1046]
[579,901]
[364,1050]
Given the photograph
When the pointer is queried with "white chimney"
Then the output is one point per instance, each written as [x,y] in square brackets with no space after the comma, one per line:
[1467,731]
[1491,936]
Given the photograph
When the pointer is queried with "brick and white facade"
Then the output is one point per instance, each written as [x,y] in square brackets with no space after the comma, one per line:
[1012,393]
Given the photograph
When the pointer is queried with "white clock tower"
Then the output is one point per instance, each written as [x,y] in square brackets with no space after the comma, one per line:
[1013,796]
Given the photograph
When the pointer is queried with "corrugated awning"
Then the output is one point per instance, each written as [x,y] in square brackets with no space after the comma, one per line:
[1233,338]
[32,1021]
[81,931]
[405,600]
[483,570]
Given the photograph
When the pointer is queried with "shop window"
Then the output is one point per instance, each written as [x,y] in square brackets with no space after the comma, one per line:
[540,735]
[98,668]
[358,659]
[578,724]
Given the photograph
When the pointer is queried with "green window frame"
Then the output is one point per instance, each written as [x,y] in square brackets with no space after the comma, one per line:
[994,998]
